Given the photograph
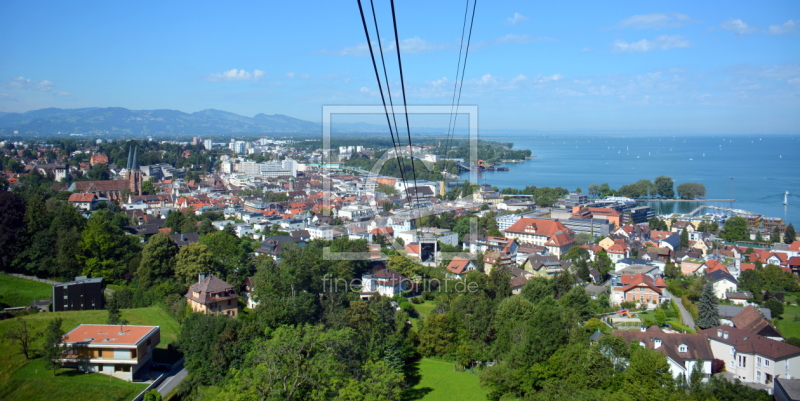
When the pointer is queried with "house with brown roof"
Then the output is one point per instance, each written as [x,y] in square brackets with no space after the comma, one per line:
[460,266]
[752,358]
[682,350]
[114,350]
[545,266]
[385,282]
[639,288]
[83,201]
[211,295]
[551,234]
[750,319]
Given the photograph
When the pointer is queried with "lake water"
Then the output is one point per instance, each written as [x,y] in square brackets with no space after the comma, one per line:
[762,167]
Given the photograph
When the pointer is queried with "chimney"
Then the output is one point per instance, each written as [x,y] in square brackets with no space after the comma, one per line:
[201,277]
[183,238]
[725,335]
[719,333]
[657,343]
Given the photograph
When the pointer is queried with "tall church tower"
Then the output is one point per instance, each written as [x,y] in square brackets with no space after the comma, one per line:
[134,175]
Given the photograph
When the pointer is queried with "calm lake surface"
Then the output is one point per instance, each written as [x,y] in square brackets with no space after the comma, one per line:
[762,167]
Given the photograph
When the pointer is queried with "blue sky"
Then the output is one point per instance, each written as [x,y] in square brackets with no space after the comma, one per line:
[704,67]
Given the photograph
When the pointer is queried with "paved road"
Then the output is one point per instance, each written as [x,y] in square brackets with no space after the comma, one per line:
[686,317]
[174,378]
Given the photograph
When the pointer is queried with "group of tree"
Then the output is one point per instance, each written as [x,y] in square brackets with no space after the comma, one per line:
[662,187]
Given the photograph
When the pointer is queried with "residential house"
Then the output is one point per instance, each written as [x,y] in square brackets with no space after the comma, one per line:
[722,282]
[739,297]
[548,233]
[115,350]
[83,201]
[545,266]
[385,282]
[83,293]
[210,295]
[752,358]
[248,292]
[639,288]
[728,312]
[184,239]
[683,350]
[617,252]
[750,319]
[787,389]
[460,266]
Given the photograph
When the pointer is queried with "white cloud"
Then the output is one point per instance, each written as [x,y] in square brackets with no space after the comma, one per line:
[783,29]
[655,21]
[417,45]
[737,26]
[516,19]
[364,89]
[663,42]
[290,74]
[519,78]
[235,75]
[487,79]
[795,81]
[585,49]
[29,85]
[550,78]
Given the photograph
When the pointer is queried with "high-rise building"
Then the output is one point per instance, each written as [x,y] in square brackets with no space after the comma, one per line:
[207,144]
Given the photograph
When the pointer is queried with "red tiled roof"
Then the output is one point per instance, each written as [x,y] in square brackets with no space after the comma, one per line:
[458,265]
[80,197]
[714,265]
[547,228]
[641,278]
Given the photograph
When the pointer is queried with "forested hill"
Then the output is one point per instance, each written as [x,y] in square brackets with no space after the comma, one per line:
[121,121]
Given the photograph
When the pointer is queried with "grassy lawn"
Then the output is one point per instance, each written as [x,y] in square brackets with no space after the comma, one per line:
[675,322]
[22,379]
[20,292]
[438,381]
[789,323]
[424,309]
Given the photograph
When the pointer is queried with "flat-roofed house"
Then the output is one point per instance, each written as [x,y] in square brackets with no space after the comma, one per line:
[114,350]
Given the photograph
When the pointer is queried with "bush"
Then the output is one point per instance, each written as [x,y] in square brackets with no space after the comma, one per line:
[775,306]
[416,300]
[627,305]
[717,365]
[409,308]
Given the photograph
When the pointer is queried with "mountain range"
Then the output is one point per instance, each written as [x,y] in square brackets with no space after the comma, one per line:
[122,121]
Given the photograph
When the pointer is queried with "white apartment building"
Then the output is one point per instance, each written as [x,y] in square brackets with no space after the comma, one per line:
[752,358]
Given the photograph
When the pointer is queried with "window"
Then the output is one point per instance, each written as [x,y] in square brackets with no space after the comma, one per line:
[766,362]
[758,376]
[99,353]
[683,348]
[758,362]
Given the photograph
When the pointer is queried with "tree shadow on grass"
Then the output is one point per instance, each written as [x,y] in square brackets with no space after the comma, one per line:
[413,377]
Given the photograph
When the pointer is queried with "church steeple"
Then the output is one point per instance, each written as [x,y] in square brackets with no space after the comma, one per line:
[135,163]
[130,158]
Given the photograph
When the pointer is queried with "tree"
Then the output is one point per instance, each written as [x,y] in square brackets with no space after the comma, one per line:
[378,383]
[663,186]
[593,190]
[297,363]
[775,306]
[691,190]
[735,229]
[684,238]
[114,316]
[12,228]
[148,188]
[661,317]
[708,314]
[789,235]
[152,395]
[776,235]
[191,261]
[157,260]
[51,347]
[23,335]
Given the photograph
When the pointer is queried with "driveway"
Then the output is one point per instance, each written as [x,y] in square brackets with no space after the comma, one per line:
[686,317]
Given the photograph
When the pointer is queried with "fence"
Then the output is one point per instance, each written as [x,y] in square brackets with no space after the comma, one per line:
[152,385]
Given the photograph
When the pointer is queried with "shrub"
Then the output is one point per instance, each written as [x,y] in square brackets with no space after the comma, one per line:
[409,308]
[416,300]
